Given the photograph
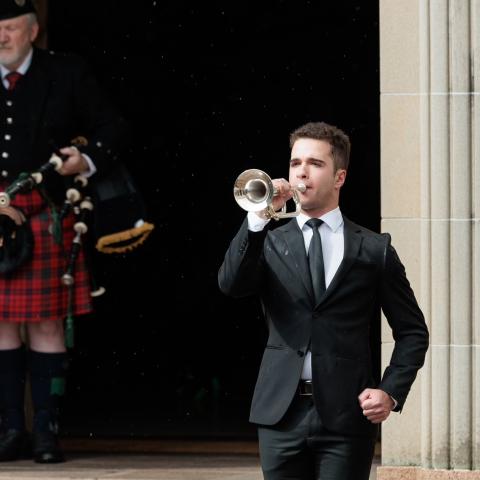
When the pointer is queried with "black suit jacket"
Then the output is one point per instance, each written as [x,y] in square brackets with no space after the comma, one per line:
[57,100]
[273,264]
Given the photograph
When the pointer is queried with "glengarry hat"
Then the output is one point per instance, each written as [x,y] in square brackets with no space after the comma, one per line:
[15,8]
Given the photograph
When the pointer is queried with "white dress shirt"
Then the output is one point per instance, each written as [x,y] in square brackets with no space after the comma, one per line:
[21,69]
[331,233]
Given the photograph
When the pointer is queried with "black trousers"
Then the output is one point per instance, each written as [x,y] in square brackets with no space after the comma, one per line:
[300,448]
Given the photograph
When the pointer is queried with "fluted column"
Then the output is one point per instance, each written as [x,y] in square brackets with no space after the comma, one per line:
[430,123]
[475,145]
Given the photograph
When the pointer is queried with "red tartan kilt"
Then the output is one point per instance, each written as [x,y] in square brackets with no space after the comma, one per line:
[34,292]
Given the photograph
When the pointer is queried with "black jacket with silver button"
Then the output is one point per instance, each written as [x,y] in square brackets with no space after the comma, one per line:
[273,265]
[57,100]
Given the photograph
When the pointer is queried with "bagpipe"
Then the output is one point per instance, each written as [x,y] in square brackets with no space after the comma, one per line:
[117,208]
[110,208]
[16,238]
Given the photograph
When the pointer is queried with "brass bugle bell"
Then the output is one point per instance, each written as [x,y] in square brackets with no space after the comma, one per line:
[254,191]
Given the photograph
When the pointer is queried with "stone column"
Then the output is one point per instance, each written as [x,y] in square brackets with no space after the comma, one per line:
[430,149]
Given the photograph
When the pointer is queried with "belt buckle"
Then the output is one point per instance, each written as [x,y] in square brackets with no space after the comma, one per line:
[305,388]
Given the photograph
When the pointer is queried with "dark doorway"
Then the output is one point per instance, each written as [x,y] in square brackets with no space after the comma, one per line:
[210,89]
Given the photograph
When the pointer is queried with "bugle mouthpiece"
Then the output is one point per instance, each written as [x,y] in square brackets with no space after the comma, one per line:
[301,187]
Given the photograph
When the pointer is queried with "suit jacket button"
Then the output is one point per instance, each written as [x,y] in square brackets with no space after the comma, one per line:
[300,353]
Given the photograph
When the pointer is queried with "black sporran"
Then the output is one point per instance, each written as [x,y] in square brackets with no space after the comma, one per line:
[16,239]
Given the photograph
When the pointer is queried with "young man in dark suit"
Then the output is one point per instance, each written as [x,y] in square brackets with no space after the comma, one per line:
[47,100]
[321,279]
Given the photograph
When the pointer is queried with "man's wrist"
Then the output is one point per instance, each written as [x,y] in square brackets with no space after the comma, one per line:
[256,223]
[91,168]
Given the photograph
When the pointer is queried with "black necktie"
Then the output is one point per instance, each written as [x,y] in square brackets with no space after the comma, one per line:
[12,79]
[315,259]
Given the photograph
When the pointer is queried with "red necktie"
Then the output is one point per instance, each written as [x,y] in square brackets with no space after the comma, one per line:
[12,78]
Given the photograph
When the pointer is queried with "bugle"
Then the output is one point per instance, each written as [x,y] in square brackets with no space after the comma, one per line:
[254,191]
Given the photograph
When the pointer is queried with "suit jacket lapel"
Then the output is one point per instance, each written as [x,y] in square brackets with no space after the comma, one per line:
[296,245]
[352,241]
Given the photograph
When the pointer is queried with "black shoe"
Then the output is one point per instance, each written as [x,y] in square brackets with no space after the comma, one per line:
[46,448]
[14,444]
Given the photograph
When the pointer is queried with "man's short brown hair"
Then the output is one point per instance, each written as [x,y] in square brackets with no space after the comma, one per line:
[338,140]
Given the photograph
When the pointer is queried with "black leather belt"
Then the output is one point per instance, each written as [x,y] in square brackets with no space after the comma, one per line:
[305,387]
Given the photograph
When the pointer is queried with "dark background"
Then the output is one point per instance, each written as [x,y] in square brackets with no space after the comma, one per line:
[210,89]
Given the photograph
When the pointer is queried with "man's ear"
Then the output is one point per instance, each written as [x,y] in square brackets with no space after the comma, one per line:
[340,177]
[34,29]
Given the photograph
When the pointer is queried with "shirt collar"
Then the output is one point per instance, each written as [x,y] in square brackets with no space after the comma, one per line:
[25,65]
[333,219]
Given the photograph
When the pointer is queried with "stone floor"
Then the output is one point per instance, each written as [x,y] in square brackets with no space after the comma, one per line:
[83,466]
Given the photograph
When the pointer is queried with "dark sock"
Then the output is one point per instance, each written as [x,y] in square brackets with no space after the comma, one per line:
[12,388]
[47,378]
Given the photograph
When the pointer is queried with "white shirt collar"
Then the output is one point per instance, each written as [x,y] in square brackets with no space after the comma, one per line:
[22,68]
[333,219]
